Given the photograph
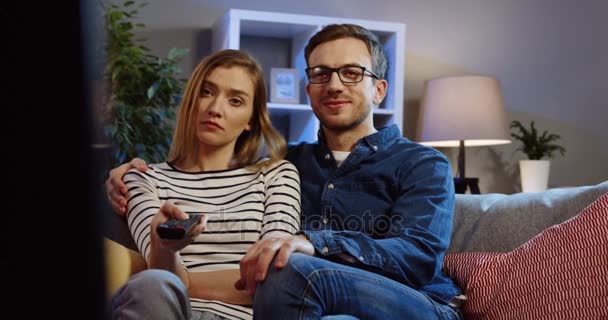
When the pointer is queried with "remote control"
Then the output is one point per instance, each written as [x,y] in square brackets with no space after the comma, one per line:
[177,229]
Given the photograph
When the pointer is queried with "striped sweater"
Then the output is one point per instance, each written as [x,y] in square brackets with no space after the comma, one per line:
[242,207]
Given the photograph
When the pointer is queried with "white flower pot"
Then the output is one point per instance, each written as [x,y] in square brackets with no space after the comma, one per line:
[534,175]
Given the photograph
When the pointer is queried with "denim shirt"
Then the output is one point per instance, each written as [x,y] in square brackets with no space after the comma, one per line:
[389,205]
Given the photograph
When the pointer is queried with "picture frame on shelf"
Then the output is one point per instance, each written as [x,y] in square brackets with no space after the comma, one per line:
[284,85]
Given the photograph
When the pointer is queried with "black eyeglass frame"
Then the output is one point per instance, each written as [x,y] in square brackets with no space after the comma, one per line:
[337,70]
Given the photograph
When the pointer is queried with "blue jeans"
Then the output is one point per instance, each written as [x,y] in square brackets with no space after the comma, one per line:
[314,288]
[155,294]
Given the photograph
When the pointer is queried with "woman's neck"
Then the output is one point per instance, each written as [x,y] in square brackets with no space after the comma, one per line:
[210,158]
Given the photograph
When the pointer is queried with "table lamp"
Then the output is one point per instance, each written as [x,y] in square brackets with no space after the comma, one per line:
[463,111]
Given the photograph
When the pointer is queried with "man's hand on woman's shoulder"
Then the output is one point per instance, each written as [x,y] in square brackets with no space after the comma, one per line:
[116,190]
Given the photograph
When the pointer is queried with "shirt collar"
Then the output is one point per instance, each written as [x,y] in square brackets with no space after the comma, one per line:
[375,141]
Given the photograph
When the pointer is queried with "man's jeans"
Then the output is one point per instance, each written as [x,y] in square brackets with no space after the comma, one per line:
[312,288]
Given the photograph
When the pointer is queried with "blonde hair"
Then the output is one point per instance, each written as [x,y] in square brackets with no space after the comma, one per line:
[250,144]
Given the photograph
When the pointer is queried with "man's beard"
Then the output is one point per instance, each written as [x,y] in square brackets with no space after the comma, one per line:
[343,127]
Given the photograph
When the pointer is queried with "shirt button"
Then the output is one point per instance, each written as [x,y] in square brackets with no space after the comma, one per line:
[361,259]
[325,220]
[325,250]
[375,147]
[330,186]
[327,156]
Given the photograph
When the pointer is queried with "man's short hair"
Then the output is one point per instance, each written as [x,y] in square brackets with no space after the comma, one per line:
[338,31]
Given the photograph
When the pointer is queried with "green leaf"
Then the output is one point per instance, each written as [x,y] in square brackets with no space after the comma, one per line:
[115,16]
[148,119]
[176,53]
[152,90]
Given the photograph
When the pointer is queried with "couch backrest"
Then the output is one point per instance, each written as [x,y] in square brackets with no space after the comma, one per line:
[500,222]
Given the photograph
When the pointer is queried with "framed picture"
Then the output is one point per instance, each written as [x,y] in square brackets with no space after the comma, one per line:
[284,85]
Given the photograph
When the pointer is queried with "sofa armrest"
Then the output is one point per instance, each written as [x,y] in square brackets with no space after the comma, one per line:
[121,263]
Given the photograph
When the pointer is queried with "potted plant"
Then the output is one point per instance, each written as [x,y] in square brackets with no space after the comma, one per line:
[145,90]
[539,149]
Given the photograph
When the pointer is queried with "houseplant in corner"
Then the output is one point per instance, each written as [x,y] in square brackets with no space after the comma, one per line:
[145,90]
[539,149]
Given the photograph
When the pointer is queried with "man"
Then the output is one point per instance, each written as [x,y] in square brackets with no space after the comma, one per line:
[376,208]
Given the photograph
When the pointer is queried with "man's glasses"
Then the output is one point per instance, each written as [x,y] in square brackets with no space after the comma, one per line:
[348,74]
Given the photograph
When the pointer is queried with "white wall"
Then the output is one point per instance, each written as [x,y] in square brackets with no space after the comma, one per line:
[551,57]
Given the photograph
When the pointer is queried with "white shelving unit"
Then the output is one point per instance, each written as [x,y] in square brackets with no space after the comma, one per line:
[279,39]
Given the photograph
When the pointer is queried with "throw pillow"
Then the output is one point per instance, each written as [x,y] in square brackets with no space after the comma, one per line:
[562,273]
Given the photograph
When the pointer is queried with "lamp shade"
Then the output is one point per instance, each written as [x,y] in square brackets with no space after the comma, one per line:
[468,108]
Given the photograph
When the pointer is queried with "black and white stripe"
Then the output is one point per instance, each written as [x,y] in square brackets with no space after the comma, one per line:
[242,205]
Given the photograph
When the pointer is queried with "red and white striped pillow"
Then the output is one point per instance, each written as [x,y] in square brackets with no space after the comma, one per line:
[562,273]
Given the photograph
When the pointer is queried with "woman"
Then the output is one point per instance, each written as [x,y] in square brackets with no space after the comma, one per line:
[214,169]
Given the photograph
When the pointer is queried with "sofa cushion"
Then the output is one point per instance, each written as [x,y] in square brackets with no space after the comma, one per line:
[500,222]
[562,273]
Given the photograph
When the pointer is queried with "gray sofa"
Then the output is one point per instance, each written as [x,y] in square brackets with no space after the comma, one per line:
[482,223]
[500,222]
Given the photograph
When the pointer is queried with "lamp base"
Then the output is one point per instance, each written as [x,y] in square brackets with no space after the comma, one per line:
[462,184]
